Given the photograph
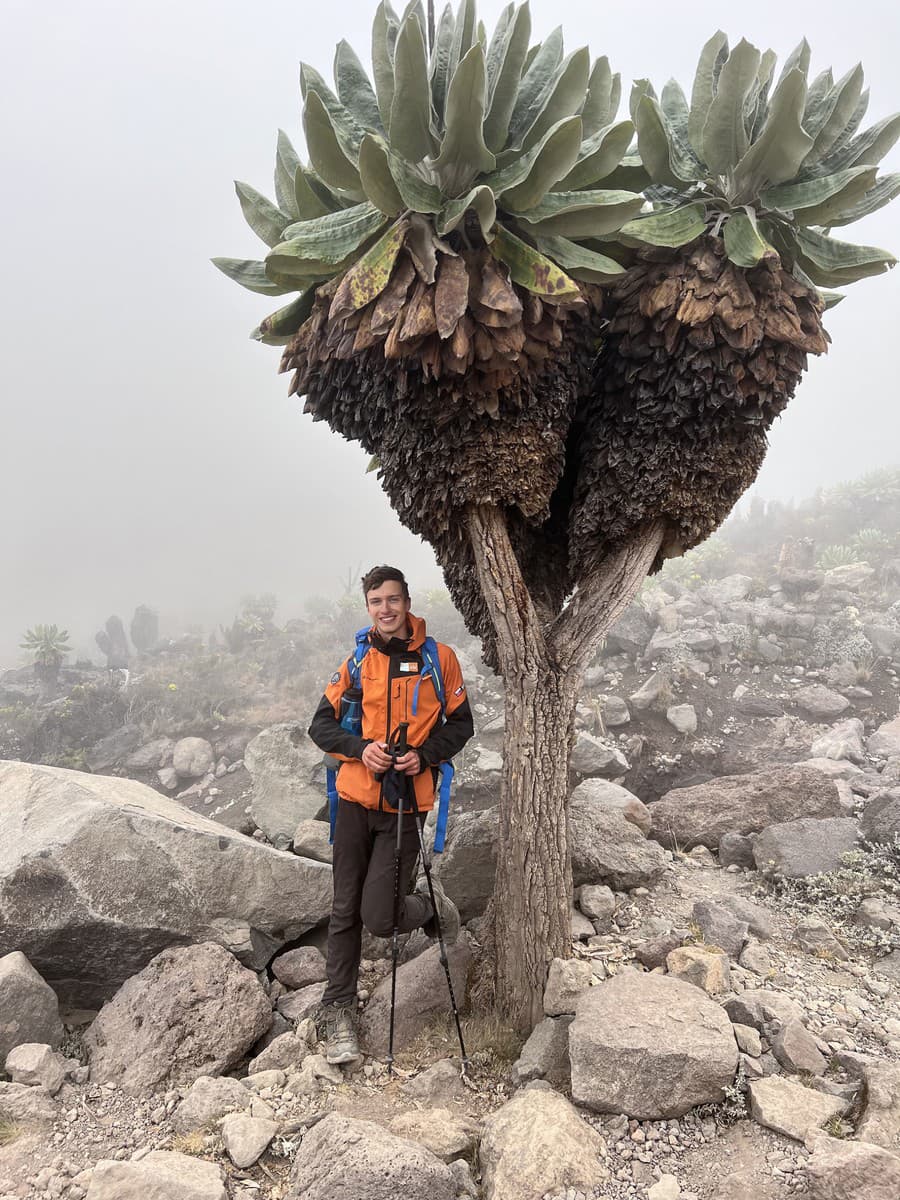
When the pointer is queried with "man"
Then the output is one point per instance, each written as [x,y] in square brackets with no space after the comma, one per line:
[365,833]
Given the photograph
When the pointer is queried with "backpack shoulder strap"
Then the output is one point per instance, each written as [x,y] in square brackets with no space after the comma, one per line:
[431,669]
[354,662]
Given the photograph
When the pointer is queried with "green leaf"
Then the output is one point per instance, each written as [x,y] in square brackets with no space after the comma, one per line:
[481,199]
[463,153]
[411,106]
[831,263]
[418,194]
[776,155]
[712,56]
[759,97]
[384,25]
[744,244]
[725,139]
[598,156]
[497,47]
[249,274]
[663,157]
[327,239]
[815,201]
[347,130]
[566,96]
[535,87]
[820,101]
[797,60]
[313,198]
[325,152]
[885,190]
[279,327]
[582,214]
[463,35]
[586,265]
[531,269]
[598,112]
[504,86]
[266,221]
[674,227]
[374,464]
[841,105]
[870,147]
[440,59]
[286,163]
[526,180]
[639,89]
[375,175]
[354,89]
[370,275]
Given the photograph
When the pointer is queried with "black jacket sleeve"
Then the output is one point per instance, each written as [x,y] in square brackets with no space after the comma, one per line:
[448,739]
[325,730]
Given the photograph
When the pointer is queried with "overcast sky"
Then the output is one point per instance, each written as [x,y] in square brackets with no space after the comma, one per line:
[149,451]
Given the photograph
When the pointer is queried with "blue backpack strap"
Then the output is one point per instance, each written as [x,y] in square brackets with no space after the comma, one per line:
[331,789]
[431,670]
[440,830]
[354,662]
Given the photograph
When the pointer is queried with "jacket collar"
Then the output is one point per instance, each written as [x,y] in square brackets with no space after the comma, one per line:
[417,631]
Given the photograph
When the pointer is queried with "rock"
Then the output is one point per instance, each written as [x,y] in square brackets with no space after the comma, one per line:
[843,740]
[700,814]
[98,874]
[841,1170]
[885,741]
[758,1006]
[567,978]
[151,756]
[881,819]
[468,864]
[597,902]
[446,1134]
[748,1039]
[650,691]
[245,1137]
[159,1175]
[537,1143]
[850,577]
[592,756]
[703,968]
[873,913]
[790,1108]
[607,848]
[756,958]
[192,758]
[209,1098]
[440,1082]
[614,711]
[720,927]
[735,850]
[759,706]
[192,1011]
[259,1081]
[630,633]
[110,751]
[654,952]
[29,1010]
[665,1188]
[36,1064]
[421,994]
[303,1003]
[488,760]
[311,840]
[582,928]
[288,779]
[879,1121]
[342,1158]
[729,590]
[795,1048]
[683,717]
[819,702]
[605,794]
[815,937]
[545,1054]
[284,1053]
[297,968]
[759,920]
[810,846]
[167,778]
[649,1046]
[24,1105]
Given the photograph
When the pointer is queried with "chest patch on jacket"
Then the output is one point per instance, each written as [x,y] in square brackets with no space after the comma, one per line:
[409,668]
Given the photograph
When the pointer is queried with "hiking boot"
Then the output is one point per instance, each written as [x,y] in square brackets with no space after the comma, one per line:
[341,1044]
[447,912]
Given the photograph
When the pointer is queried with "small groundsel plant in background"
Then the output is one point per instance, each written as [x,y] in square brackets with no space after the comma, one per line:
[733,1105]
[871,871]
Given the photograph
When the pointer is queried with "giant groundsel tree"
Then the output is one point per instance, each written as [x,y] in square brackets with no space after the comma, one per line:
[561,334]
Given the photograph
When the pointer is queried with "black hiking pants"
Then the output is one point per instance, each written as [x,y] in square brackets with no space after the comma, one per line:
[363,858]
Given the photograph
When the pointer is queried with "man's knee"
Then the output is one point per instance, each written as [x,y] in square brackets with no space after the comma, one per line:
[377,919]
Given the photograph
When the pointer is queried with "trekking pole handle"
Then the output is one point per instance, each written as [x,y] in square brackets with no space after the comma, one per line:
[402,741]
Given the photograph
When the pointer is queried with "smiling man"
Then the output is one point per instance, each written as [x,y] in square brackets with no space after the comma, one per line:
[396,687]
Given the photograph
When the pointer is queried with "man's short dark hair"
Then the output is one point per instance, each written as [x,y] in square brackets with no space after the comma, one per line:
[383,574]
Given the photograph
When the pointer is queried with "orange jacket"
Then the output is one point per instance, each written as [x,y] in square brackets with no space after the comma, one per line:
[388,678]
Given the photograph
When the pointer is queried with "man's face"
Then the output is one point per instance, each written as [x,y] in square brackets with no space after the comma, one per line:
[388,608]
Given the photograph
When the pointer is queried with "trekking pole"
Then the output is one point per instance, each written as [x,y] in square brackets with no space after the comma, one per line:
[395,936]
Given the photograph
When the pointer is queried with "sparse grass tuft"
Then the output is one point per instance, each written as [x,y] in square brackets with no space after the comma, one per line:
[9,1131]
[191,1143]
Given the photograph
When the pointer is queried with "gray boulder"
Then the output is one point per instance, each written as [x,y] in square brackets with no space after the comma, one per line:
[209,1098]
[881,818]
[593,756]
[820,703]
[297,968]
[37,1065]
[545,1054]
[311,840]
[885,741]
[720,927]
[790,1108]
[151,756]
[159,1175]
[879,1120]
[604,793]
[607,848]
[700,814]
[630,633]
[468,864]
[342,1158]
[192,758]
[21,1104]
[841,1170]
[843,740]
[759,920]
[288,780]
[29,1010]
[649,1046]
[447,1134]
[192,1011]
[99,874]
[796,849]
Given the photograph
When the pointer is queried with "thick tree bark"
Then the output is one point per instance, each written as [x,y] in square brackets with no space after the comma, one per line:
[542,663]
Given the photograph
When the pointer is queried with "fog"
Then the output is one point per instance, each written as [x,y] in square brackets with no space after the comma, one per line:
[149,451]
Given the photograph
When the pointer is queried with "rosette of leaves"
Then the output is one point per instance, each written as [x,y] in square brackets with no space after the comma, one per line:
[442,247]
[712,324]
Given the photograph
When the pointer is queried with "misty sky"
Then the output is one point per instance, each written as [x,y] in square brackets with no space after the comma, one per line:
[149,452]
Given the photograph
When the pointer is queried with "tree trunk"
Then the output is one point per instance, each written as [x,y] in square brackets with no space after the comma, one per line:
[542,664]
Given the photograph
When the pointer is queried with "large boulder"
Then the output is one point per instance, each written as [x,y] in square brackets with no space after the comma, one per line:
[607,848]
[617,798]
[21,1104]
[29,1010]
[790,1108]
[631,632]
[885,741]
[810,846]
[192,1011]
[649,1046]
[288,780]
[99,874]
[879,1120]
[702,813]
[881,818]
[192,758]
[468,864]
[536,1144]
[820,703]
[841,1170]
[342,1158]
[593,756]
[159,1175]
